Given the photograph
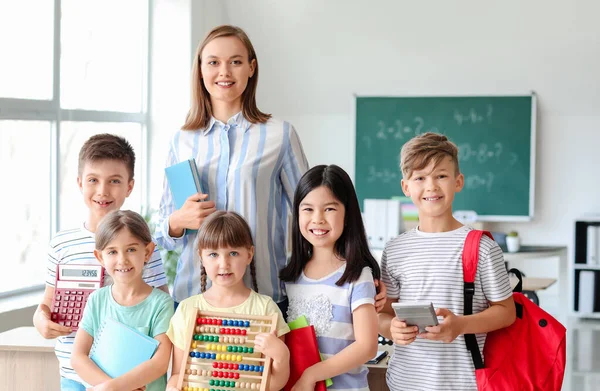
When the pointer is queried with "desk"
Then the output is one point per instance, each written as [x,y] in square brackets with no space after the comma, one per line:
[376,375]
[539,252]
[27,361]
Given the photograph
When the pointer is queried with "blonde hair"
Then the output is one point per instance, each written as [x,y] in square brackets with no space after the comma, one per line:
[421,150]
[115,221]
[225,229]
[201,108]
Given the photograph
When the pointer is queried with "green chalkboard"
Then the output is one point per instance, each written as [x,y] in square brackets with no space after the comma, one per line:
[495,136]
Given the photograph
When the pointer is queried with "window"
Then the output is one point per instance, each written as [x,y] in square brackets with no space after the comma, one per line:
[63,80]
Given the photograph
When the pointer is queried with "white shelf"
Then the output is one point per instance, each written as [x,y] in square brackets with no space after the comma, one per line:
[589,315]
[585,266]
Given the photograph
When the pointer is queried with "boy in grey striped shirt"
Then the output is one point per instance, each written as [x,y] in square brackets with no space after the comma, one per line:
[425,264]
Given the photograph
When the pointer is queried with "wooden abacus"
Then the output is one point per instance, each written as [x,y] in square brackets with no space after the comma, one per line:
[220,355]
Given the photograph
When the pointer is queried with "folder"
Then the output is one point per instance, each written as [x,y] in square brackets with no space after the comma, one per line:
[118,348]
[593,245]
[586,291]
[304,353]
[184,181]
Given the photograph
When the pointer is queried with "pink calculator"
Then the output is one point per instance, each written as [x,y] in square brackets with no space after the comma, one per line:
[74,283]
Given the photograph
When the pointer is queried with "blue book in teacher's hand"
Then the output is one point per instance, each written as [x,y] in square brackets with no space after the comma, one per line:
[184,181]
[118,348]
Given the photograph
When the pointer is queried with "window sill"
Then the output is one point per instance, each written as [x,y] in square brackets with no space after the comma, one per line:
[21,300]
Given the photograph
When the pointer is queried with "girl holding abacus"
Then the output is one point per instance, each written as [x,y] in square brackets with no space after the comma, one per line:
[329,278]
[226,254]
[123,246]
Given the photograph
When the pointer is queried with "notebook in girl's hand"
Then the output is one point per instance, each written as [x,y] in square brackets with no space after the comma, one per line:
[184,181]
[118,348]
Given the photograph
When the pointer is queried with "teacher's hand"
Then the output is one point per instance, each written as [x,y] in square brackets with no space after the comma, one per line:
[191,215]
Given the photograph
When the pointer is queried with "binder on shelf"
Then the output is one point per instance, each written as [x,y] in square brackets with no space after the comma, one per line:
[395,222]
[118,348]
[586,291]
[375,222]
[383,221]
[593,245]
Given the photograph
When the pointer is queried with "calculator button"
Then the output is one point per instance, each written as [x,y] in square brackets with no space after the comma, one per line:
[79,292]
[57,297]
[77,311]
[67,292]
[54,316]
[64,311]
[78,305]
[67,323]
[79,298]
[71,304]
[72,298]
[75,324]
[69,317]
[76,317]
[70,311]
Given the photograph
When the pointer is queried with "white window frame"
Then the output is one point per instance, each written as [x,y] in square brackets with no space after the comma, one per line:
[50,110]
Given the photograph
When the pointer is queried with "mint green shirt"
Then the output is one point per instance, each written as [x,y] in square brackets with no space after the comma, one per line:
[150,317]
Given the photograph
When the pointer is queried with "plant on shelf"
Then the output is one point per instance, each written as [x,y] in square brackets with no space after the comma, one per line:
[513,242]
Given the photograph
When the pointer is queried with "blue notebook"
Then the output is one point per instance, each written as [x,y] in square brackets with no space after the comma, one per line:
[118,348]
[184,181]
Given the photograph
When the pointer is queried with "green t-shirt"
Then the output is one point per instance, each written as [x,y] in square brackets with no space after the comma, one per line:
[150,317]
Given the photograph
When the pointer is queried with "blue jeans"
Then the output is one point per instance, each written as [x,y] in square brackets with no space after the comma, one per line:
[70,385]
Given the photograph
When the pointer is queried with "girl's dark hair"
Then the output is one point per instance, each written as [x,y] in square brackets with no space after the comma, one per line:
[115,221]
[352,245]
[225,229]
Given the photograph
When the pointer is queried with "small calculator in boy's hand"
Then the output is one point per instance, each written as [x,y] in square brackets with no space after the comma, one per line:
[74,283]
[420,314]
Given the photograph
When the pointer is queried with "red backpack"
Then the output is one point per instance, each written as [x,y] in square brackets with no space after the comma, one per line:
[530,354]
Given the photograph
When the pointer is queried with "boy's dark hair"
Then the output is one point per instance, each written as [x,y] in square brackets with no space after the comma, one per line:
[225,229]
[107,147]
[352,245]
[421,150]
[115,221]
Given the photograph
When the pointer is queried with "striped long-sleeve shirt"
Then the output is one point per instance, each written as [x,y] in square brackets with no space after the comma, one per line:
[251,169]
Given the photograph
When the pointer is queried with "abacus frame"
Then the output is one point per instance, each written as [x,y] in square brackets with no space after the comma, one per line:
[270,322]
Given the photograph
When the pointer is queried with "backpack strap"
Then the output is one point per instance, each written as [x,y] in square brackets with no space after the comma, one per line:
[470,259]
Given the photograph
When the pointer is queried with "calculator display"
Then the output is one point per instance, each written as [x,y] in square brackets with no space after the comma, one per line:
[80,273]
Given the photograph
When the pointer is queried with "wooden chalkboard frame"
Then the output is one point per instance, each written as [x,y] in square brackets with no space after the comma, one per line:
[532,154]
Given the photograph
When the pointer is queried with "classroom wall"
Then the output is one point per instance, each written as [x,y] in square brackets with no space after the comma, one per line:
[314,55]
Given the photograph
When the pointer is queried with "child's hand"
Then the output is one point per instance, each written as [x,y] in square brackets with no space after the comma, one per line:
[47,327]
[447,331]
[271,346]
[401,333]
[381,297]
[304,384]
[106,386]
